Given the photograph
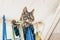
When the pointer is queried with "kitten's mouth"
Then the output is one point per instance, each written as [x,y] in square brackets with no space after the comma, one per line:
[27,20]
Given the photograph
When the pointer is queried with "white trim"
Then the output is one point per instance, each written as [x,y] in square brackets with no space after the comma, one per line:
[57,17]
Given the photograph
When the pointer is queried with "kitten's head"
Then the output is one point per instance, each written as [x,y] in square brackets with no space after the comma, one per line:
[27,16]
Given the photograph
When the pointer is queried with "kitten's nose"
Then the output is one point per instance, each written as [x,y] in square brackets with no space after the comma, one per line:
[27,20]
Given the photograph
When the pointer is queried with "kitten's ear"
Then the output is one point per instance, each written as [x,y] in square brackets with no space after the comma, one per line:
[25,9]
[32,11]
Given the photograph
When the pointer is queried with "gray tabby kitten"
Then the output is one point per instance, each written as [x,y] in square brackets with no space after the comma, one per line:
[27,18]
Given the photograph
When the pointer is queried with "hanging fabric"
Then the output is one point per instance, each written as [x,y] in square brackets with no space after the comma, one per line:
[13,36]
[21,35]
[29,32]
[37,33]
[15,30]
[4,29]
[37,36]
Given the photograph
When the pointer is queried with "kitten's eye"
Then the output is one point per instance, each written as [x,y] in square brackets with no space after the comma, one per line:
[25,18]
[31,18]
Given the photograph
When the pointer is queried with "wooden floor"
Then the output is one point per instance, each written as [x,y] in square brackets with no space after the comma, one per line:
[55,36]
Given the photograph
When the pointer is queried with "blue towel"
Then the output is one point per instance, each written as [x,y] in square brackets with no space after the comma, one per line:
[4,37]
[29,33]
